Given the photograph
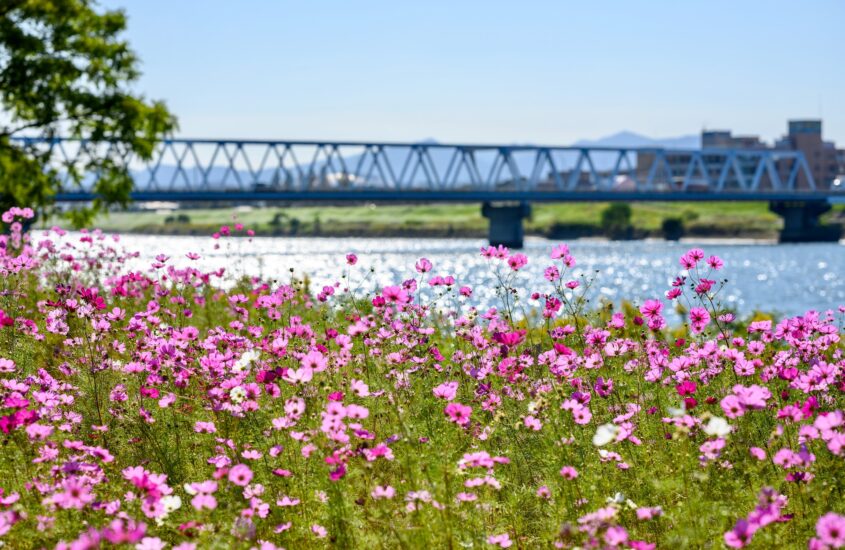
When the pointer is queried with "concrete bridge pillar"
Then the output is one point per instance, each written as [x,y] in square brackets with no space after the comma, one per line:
[506,222]
[801,221]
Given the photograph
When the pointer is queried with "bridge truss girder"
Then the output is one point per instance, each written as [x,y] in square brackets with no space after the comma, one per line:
[201,169]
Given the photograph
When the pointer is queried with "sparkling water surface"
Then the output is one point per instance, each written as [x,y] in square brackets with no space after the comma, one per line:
[788,279]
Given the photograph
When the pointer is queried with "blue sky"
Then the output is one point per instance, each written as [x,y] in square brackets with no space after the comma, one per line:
[528,71]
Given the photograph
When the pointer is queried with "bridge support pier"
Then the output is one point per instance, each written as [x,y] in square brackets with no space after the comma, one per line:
[801,221]
[506,222]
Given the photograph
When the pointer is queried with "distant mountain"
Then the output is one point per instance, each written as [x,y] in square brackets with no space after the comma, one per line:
[632,139]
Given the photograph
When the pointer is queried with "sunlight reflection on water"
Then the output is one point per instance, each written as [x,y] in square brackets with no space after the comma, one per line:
[788,279]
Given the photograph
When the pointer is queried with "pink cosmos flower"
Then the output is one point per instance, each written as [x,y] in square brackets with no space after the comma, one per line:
[673,293]
[699,319]
[687,387]
[315,361]
[383,492]
[458,413]
[240,475]
[603,387]
[120,532]
[695,254]
[202,492]
[740,535]
[150,543]
[559,251]
[581,414]
[732,406]
[757,453]
[423,265]
[533,423]
[359,388]
[282,527]
[715,262]
[287,501]
[616,536]
[568,472]
[517,261]
[502,541]
[651,308]
[446,390]
[74,495]
[511,339]
[204,427]
[299,376]
[830,529]
[252,454]
[645,513]
[704,286]
[395,295]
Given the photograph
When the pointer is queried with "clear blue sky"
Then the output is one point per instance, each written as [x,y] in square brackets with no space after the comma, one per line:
[490,71]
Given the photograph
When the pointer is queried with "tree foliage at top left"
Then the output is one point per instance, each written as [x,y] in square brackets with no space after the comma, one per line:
[66,70]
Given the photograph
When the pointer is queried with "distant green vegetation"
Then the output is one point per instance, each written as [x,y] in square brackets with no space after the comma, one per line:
[566,220]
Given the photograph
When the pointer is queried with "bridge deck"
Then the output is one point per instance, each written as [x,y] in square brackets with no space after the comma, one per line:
[250,170]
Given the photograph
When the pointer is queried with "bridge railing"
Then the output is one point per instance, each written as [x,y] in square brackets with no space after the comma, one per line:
[313,169]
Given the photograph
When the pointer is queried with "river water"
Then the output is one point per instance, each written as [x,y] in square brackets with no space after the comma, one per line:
[788,279]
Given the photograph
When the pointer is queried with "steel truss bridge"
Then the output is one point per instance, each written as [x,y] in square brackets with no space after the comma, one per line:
[237,170]
[207,170]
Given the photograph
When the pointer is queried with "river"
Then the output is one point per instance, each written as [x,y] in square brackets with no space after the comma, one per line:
[787,279]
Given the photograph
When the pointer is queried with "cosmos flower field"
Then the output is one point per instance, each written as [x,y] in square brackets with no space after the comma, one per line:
[166,407]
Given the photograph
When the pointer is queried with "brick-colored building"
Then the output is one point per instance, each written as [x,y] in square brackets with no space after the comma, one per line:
[714,140]
[823,158]
[723,139]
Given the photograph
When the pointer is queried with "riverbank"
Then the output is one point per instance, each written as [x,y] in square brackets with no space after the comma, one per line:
[556,221]
[408,401]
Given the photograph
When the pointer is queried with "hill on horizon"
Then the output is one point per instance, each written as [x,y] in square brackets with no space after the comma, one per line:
[626,138]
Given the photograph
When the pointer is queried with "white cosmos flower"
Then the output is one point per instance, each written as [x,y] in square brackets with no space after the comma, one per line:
[171,503]
[245,360]
[678,411]
[618,498]
[605,434]
[237,394]
[717,426]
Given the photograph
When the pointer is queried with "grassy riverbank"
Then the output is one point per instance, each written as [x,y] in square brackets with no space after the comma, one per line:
[568,220]
[169,407]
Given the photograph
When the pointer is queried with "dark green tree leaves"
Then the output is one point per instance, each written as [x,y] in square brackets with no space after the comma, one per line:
[65,70]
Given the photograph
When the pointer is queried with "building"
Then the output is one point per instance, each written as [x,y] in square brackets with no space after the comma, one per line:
[825,161]
[823,158]
[673,173]
[722,139]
